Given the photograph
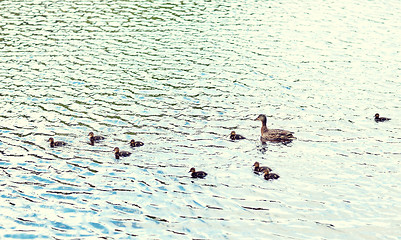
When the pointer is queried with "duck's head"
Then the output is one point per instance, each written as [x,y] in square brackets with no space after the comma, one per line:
[51,140]
[192,170]
[261,117]
[91,134]
[377,115]
[232,133]
[132,141]
[116,150]
[256,164]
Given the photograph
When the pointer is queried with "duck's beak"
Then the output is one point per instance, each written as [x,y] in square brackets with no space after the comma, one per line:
[256,119]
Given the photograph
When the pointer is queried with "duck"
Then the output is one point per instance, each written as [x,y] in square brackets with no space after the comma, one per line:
[118,153]
[57,143]
[270,176]
[134,143]
[199,174]
[235,136]
[274,135]
[93,138]
[259,169]
[380,119]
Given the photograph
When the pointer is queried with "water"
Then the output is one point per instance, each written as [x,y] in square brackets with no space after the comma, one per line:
[180,76]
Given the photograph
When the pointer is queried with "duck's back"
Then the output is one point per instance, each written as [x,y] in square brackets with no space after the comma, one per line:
[262,169]
[271,176]
[382,119]
[97,138]
[124,153]
[137,144]
[59,143]
[199,174]
[277,134]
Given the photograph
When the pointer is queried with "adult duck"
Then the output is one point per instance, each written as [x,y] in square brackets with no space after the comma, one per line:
[118,153]
[380,119]
[56,143]
[274,135]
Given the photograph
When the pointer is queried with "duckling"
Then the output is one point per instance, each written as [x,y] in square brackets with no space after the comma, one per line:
[134,143]
[199,174]
[93,138]
[259,169]
[57,143]
[380,119]
[118,153]
[269,175]
[235,136]
[275,135]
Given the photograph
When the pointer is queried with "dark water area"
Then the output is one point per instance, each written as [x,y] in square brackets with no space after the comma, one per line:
[180,76]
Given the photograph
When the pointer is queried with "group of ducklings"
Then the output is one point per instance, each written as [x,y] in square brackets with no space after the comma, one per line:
[277,135]
[271,135]
[93,139]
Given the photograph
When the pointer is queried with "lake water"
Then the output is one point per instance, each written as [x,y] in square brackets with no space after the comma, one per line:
[180,76]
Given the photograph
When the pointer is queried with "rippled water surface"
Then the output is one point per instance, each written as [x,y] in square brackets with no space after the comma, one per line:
[180,76]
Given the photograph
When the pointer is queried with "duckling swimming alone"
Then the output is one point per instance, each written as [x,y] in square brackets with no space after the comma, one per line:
[134,143]
[235,136]
[199,174]
[57,143]
[259,169]
[93,138]
[275,135]
[269,175]
[381,119]
[118,153]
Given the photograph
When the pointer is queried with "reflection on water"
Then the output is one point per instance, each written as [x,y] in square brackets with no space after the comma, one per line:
[180,77]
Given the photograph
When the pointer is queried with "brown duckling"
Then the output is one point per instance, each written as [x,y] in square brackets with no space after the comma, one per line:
[118,153]
[380,119]
[199,174]
[93,138]
[275,135]
[134,143]
[259,169]
[269,175]
[57,143]
[235,136]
